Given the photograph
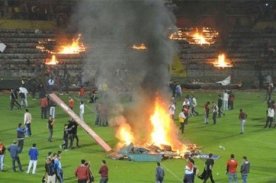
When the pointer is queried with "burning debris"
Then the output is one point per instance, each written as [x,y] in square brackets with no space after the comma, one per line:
[161,130]
[44,45]
[222,62]
[161,141]
[52,61]
[151,153]
[139,46]
[206,36]
[75,47]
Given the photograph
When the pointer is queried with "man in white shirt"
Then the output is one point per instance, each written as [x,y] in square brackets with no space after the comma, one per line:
[194,104]
[270,116]
[81,110]
[23,94]
[215,112]
[27,122]
[225,100]
[172,110]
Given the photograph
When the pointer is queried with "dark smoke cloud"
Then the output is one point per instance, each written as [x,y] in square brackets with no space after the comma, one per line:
[110,28]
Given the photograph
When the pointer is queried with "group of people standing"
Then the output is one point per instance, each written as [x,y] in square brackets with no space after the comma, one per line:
[84,174]
[224,102]
[14,151]
[20,93]
[191,170]
[270,113]
[53,168]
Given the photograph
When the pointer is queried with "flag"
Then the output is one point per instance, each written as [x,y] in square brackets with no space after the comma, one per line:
[225,82]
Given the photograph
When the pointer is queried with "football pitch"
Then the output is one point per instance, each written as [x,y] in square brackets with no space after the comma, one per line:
[223,139]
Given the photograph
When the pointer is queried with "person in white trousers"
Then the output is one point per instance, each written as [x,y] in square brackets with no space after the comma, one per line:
[81,110]
[33,154]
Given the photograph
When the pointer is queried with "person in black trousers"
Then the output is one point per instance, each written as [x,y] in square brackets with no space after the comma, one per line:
[207,173]
[220,102]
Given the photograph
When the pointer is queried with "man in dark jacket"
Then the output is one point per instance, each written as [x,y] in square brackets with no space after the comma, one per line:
[13,100]
[245,167]
[220,102]
[160,173]
[14,151]
[20,131]
[73,133]
[207,172]
[50,170]
[209,163]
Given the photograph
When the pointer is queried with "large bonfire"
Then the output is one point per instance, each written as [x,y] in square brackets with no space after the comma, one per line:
[159,130]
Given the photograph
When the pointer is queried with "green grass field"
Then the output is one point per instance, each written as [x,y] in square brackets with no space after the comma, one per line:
[258,144]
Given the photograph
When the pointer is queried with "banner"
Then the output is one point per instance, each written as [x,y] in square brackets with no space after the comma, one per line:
[2,47]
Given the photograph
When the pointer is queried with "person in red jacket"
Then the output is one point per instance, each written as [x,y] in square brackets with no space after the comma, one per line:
[207,111]
[82,172]
[71,103]
[2,155]
[82,93]
[231,169]
[104,172]
[44,106]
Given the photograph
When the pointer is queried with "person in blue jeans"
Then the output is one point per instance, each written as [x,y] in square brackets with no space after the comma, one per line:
[245,167]
[160,173]
[14,152]
[58,168]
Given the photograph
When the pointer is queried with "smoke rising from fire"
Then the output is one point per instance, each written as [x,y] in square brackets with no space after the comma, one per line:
[110,28]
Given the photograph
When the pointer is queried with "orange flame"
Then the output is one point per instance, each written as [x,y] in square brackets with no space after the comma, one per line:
[75,47]
[162,131]
[124,133]
[222,61]
[139,46]
[206,36]
[52,61]
[199,38]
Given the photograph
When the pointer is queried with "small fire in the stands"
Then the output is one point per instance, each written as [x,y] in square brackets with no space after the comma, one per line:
[76,47]
[51,61]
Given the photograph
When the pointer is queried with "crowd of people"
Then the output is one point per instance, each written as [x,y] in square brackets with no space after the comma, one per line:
[53,169]
[83,172]
[191,171]
[217,109]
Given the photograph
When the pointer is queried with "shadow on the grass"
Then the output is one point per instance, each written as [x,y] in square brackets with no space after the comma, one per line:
[258,125]
[257,119]
[54,146]
[267,169]
[5,130]
[230,136]
[70,178]
[270,181]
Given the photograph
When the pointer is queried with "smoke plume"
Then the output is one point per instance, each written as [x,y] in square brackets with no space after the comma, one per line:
[110,28]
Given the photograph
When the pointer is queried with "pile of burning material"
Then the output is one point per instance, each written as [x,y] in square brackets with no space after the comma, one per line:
[153,153]
[155,139]
[203,36]
[72,47]
[75,47]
